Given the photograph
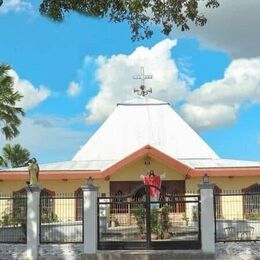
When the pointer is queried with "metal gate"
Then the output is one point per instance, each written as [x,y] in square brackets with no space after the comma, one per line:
[137,221]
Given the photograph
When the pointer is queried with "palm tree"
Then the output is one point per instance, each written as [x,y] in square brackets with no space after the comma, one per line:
[14,155]
[9,112]
[2,162]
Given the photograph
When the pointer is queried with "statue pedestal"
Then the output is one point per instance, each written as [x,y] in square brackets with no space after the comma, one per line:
[33,217]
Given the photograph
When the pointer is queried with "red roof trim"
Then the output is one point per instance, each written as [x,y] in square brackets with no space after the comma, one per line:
[153,153]
[141,153]
[52,175]
[227,172]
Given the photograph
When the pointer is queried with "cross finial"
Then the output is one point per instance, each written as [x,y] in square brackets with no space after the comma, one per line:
[142,91]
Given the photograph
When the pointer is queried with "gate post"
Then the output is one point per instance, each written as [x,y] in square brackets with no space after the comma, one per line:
[207,217]
[90,217]
[33,221]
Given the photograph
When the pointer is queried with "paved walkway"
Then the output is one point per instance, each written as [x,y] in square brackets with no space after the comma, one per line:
[238,251]
[224,251]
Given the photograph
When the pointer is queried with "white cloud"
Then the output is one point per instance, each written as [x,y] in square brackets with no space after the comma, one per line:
[233,27]
[32,96]
[73,89]
[217,103]
[49,139]
[115,77]
[16,6]
[209,116]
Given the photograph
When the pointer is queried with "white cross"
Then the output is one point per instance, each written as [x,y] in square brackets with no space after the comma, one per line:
[142,91]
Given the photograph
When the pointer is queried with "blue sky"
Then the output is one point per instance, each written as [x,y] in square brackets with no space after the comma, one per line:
[73,73]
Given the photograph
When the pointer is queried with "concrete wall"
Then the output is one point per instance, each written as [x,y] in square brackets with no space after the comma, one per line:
[62,232]
[12,235]
[50,232]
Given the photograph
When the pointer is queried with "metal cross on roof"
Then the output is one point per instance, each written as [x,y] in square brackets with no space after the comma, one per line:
[142,90]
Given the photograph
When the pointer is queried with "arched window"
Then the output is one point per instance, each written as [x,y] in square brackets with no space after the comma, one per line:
[78,204]
[19,204]
[20,192]
[47,206]
[251,201]
[17,195]
[218,204]
[47,200]
[139,194]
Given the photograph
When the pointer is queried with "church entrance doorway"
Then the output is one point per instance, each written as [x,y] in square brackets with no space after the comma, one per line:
[138,220]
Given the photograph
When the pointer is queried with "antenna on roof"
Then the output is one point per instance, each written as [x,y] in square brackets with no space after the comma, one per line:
[142,91]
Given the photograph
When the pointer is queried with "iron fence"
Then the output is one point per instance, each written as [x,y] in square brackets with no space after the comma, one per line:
[13,219]
[237,216]
[61,219]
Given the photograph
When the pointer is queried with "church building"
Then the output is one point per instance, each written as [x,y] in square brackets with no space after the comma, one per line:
[140,135]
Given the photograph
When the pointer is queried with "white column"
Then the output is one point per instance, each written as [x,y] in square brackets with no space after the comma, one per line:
[33,221]
[90,218]
[207,218]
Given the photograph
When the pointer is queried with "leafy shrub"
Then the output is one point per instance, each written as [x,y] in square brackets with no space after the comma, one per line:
[140,215]
[165,217]
[48,216]
[253,216]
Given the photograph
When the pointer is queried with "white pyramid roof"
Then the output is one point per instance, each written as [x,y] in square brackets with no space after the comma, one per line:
[144,121]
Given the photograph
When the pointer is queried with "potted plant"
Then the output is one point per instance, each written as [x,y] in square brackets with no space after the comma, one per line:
[155,232]
[156,227]
[139,214]
[159,220]
[165,221]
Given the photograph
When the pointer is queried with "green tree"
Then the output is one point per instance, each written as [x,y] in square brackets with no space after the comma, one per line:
[1,161]
[9,112]
[14,155]
[141,15]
